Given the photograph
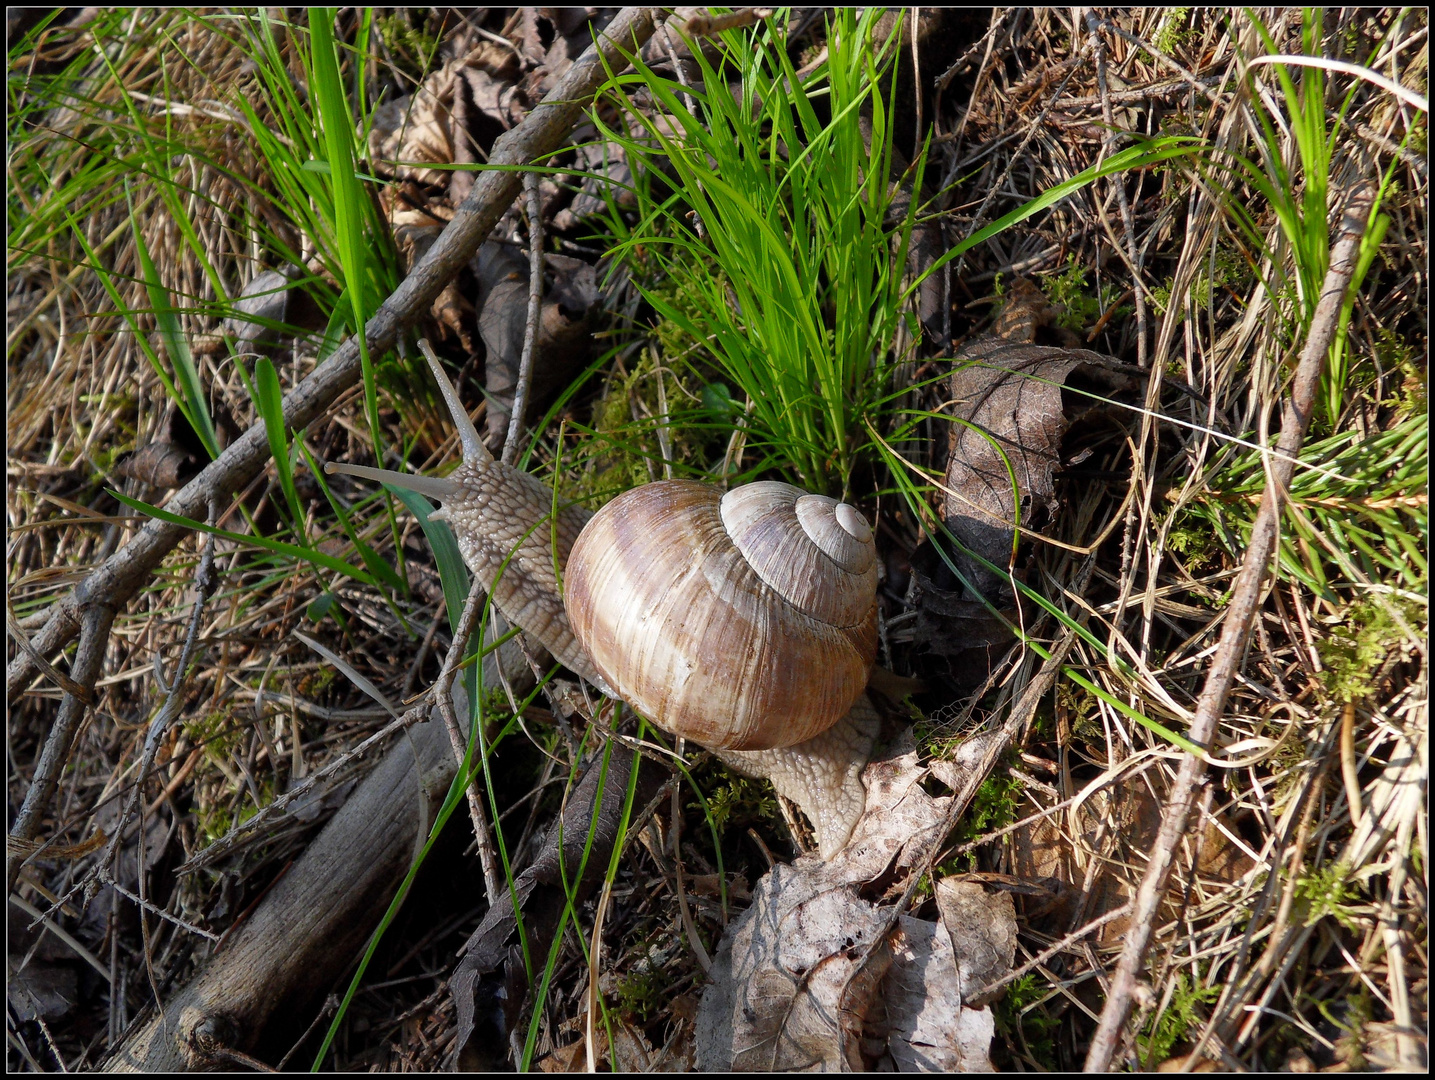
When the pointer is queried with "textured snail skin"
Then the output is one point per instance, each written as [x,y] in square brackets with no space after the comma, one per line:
[504,521]
[493,515]
[682,624]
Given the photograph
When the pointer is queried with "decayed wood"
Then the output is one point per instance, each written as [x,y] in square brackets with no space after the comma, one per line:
[316,917]
[117,580]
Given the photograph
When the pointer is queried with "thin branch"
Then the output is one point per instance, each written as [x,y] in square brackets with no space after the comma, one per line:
[89,658]
[1133,252]
[530,329]
[1046,954]
[1240,614]
[204,585]
[116,581]
[443,692]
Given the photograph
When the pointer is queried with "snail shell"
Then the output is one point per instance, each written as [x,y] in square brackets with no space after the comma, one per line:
[742,621]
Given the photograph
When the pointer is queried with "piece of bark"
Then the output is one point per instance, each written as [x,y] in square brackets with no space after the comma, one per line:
[309,927]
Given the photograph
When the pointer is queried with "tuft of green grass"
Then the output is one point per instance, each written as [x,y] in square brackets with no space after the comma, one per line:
[1358,509]
[781,229]
[1298,193]
[1022,1021]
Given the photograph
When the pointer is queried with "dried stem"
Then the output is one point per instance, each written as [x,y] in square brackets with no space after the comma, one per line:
[443,692]
[205,582]
[530,329]
[1245,599]
[89,657]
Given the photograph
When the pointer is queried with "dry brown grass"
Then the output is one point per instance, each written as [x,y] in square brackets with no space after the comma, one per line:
[1295,931]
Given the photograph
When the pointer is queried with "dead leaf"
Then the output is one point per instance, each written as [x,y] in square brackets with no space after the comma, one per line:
[1009,393]
[565,334]
[570,1058]
[949,625]
[159,464]
[415,128]
[982,927]
[1116,825]
[929,1027]
[41,991]
[612,179]
[790,987]
[779,975]
[899,818]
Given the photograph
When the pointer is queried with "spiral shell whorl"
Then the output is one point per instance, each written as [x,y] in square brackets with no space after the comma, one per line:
[731,653]
[821,563]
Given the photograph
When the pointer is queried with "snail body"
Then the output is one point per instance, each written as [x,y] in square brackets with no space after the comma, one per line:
[744,621]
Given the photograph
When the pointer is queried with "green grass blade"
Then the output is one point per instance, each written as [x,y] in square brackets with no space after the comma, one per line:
[451,569]
[193,402]
[269,400]
[309,555]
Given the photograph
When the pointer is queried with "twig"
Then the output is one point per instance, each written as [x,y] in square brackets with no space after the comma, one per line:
[123,574]
[706,25]
[530,329]
[16,629]
[89,657]
[982,44]
[204,584]
[443,691]
[1074,65]
[1133,253]
[1245,597]
[159,911]
[1047,953]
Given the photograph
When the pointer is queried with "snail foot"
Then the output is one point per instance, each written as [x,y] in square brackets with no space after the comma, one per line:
[823,775]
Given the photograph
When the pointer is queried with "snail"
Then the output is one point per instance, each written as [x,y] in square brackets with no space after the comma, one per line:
[744,621]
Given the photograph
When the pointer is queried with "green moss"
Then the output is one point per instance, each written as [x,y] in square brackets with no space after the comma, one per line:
[1021,1024]
[1082,716]
[317,681]
[1194,542]
[1174,1023]
[1228,270]
[1353,650]
[1174,30]
[216,732]
[739,801]
[1076,308]
[993,806]
[1329,891]
[402,37]
[642,993]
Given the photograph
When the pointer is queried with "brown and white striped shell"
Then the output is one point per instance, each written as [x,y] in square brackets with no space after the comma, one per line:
[742,621]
